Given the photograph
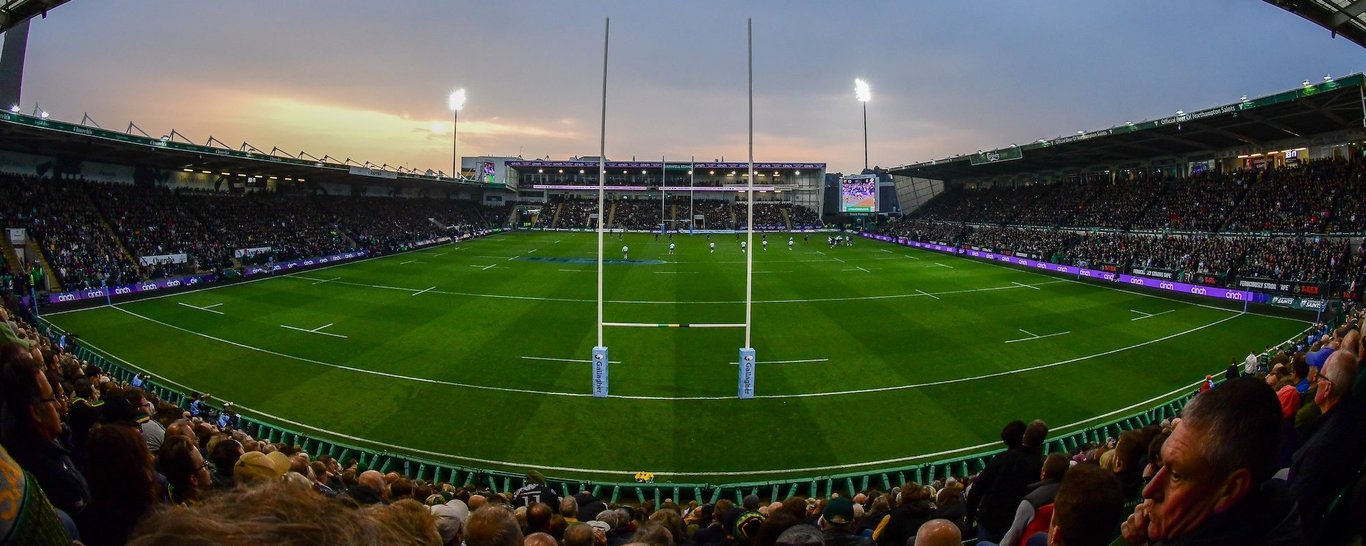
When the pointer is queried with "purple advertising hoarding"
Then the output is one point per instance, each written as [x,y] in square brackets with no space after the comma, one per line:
[1146,282]
[135,288]
[307,262]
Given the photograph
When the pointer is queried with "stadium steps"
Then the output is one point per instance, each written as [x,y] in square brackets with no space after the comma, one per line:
[787,219]
[612,214]
[104,224]
[11,257]
[555,221]
[40,257]
[511,220]
[1237,204]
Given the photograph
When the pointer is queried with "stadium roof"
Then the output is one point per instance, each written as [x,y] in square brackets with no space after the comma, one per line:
[1328,107]
[13,12]
[45,136]
[1346,18]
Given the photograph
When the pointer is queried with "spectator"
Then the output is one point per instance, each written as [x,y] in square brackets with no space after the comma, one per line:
[492,526]
[1214,485]
[1001,486]
[34,439]
[185,469]
[938,532]
[123,485]
[1088,506]
[1029,515]
[912,511]
[1334,451]
[835,524]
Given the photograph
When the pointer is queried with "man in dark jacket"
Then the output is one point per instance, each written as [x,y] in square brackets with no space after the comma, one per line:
[1215,484]
[32,426]
[1040,494]
[912,511]
[836,521]
[998,490]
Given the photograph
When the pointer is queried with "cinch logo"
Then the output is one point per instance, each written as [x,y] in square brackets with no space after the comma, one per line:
[1136,281]
[147,286]
[122,290]
[94,293]
[172,283]
[66,297]
[1166,286]
[1234,296]
[1198,290]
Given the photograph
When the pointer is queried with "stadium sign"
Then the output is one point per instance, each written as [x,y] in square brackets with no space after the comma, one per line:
[1004,154]
[126,289]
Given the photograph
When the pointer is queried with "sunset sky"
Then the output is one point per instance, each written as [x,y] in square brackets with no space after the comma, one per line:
[369,80]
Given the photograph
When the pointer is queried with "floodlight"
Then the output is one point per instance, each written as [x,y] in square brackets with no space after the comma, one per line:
[457,100]
[861,90]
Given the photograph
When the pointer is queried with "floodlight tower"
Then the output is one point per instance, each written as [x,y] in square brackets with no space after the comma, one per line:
[457,101]
[863,94]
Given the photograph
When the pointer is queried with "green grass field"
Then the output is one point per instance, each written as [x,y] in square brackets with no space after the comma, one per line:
[869,357]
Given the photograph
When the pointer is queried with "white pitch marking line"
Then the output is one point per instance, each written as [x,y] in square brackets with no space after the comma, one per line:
[1025,285]
[328,280]
[408,262]
[885,250]
[557,241]
[910,256]
[1036,336]
[575,270]
[441,254]
[513,258]
[865,270]
[488,267]
[927,293]
[761,272]
[532,250]
[819,252]
[799,361]
[582,361]
[429,289]
[839,260]
[675,272]
[202,308]
[942,265]
[315,330]
[1148,315]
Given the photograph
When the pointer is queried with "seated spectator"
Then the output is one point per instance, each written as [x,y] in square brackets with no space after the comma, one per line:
[1334,450]
[1087,509]
[284,513]
[1029,516]
[492,526]
[938,532]
[186,471]
[1214,485]
[123,485]
[33,437]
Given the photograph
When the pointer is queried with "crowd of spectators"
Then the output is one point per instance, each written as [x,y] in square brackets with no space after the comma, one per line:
[990,205]
[84,457]
[1116,203]
[645,214]
[74,241]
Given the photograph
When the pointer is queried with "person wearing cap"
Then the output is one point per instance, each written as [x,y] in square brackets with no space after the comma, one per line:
[450,521]
[254,467]
[836,521]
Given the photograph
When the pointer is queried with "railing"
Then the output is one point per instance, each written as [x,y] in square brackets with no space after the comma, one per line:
[503,481]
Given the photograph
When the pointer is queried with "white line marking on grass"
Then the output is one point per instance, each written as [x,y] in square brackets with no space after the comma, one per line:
[675,302]
[532,250]
[424,291]
[1148,315]
[686,398]
[867,271]
[926,293]
[328,280]
[910,256]
[557,241]
[942,265]
[441,254]
[575,270]
[1025,285]
[799,361]
[205,308]
[411,262]
[513,258]
[675,272]
[762,272]
[315,330]
[488,267]
[1033,336]
[839,260]
[885,250]
[448,455]
[578,360]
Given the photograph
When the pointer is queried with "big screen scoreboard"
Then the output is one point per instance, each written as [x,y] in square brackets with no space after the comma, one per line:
[858,193]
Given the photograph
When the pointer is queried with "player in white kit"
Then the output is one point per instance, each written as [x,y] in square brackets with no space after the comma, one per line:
[713,246]
[790,242]
[671,249]
[624,251]
[742,246]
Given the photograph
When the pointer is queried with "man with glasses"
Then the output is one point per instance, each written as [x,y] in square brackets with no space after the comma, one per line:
[1333,451]
[34,439]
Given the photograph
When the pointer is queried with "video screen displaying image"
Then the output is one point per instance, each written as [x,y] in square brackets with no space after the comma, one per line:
[488,172]
[858,194]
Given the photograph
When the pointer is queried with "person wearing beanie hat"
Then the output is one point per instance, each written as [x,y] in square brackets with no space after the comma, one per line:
[836,523]
[751,502]
[747,526]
